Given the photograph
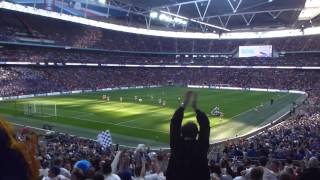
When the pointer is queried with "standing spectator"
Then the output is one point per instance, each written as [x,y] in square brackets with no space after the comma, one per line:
[313,170]
[107,171]
[63,171]
[257,173]
[54,174]
[16,161]
[267,173]
[188,154]
[77,174]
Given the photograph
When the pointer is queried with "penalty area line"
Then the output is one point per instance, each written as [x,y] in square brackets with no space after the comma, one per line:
[117,124]
[101,122]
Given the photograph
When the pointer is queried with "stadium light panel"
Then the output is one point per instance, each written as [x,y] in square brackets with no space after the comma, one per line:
[165,18]
[196,21]
[180,21]
[184,22]
[103,2]
[175,15]
[153,14]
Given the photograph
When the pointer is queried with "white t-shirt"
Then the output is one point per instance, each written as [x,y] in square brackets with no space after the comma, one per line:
[65,172]
[239,178]
[43,172]
[269,174]
[112,177]
[59,177]
[155,176]
[137,178]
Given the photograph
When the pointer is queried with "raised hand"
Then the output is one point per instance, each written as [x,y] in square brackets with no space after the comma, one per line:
[194,101]
[187,98]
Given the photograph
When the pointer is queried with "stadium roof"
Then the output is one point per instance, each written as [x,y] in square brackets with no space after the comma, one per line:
[216,16]
[207,19]
[234,15]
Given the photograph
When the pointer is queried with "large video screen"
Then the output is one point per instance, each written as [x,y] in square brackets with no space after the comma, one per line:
[255,51]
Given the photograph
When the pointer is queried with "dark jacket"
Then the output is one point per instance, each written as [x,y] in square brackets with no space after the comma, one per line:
[13,165]
[310,174]
[188,160]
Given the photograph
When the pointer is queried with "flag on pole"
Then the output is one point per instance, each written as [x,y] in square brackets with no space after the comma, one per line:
[104,139]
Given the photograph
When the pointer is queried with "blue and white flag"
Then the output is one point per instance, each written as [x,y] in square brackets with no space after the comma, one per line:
[104,139]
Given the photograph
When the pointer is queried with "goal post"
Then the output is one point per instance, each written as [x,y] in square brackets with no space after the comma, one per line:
[40,109]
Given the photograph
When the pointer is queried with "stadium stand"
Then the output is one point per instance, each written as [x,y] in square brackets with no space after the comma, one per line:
[19,27]
[30,80]
[18,53]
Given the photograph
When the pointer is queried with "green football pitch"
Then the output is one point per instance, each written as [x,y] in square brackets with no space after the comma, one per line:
[132,122]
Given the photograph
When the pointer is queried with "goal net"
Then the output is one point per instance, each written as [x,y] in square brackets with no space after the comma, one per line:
[40,109]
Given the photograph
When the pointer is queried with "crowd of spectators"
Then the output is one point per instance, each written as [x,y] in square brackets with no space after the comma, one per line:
[14,25]
[38,54]
[29,80]
[296,138]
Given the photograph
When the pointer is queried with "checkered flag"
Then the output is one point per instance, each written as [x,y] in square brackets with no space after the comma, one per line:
[104,139]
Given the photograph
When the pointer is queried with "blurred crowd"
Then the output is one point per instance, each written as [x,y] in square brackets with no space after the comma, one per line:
[38,54]
[18,27]
[15,80]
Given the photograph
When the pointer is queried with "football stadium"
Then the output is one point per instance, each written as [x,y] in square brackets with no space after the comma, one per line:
[160,90]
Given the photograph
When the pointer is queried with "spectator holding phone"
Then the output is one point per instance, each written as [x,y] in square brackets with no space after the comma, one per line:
[189,146]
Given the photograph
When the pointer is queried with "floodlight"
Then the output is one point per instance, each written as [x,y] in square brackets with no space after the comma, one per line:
[153,14]
[164,17]
[180,21]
